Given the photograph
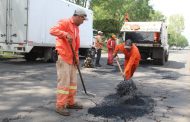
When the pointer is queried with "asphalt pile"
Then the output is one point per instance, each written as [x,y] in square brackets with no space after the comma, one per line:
[132,108]
[126,88]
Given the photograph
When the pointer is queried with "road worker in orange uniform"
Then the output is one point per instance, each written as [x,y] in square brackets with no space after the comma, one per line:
[67,32]
[132,57]
[111,46]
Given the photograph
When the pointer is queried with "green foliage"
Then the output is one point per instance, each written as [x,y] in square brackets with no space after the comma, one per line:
[175,29]
[107,25]
[157,16]
[139,10]
[109,14]
[7,55]
[178,40]
[79,2]
[176,23]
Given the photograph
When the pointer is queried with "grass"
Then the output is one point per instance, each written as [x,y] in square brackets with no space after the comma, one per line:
[7,55]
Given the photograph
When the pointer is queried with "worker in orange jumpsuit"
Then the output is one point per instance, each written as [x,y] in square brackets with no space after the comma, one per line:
[132,57]
[111,43]
[67,32]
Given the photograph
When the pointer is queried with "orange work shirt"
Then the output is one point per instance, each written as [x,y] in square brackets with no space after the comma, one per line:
[63,48]
[131,57]
[111,44]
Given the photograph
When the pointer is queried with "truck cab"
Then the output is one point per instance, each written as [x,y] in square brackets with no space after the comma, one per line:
[151,38]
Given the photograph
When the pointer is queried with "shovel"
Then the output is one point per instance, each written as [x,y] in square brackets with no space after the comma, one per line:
[126,87]
[75,60]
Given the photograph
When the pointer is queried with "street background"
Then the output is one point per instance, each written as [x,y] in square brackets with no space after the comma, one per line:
[27,92]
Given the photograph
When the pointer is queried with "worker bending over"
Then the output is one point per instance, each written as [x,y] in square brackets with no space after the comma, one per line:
[132,57]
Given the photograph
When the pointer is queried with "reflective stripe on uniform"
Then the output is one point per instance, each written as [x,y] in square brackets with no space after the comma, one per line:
[62,92]
[72,87]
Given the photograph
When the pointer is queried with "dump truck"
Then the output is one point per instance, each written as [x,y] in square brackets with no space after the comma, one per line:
[25,25]
[151,39]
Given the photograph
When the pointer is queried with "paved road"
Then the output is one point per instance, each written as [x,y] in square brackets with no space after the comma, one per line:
[28,92]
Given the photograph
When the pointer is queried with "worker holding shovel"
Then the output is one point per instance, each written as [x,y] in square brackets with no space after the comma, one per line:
[132,57]
[67,33]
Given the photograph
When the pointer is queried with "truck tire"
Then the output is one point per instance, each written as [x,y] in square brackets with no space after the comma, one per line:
[53,56]
[160,61]
[166,58]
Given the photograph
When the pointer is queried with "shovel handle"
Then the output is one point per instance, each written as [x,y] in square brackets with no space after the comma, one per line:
[119,66]
[75,60]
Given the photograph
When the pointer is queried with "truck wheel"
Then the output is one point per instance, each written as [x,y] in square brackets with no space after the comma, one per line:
[163,59]
[166,58]
[53,57]
[160,61]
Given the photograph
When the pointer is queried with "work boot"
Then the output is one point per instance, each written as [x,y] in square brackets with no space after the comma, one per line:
[110,64]
[75,106]
[62,111]
[98,65]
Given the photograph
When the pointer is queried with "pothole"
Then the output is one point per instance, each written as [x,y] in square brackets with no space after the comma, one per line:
[112,107]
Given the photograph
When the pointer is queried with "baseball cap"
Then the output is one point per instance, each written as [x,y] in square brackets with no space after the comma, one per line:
[80,12]
[99,32]
[128,43]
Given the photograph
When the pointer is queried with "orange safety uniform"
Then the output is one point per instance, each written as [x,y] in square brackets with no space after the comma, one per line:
[111,46]
[66,69]
[132,59]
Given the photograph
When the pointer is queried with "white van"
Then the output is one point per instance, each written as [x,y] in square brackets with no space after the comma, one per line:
[25,25]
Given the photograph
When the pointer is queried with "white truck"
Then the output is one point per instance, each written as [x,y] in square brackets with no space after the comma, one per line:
[25,25]
[151,39]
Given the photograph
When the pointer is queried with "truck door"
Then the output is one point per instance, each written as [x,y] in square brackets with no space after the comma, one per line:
[18,21]
[3,20]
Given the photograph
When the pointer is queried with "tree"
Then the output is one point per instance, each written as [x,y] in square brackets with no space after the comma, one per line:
[175,29]
[79,2]
[176,23]
[114,10]
[157,16]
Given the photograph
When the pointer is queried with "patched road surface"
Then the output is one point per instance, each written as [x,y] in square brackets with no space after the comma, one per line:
[27,92]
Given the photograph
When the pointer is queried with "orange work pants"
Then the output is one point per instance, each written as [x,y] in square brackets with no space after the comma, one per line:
[66,83]
[110,57]
[131,71]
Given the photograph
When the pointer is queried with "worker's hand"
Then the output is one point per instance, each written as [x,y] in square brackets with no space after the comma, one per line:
[114,55]
[77,62]
[69,38]
[123,74]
